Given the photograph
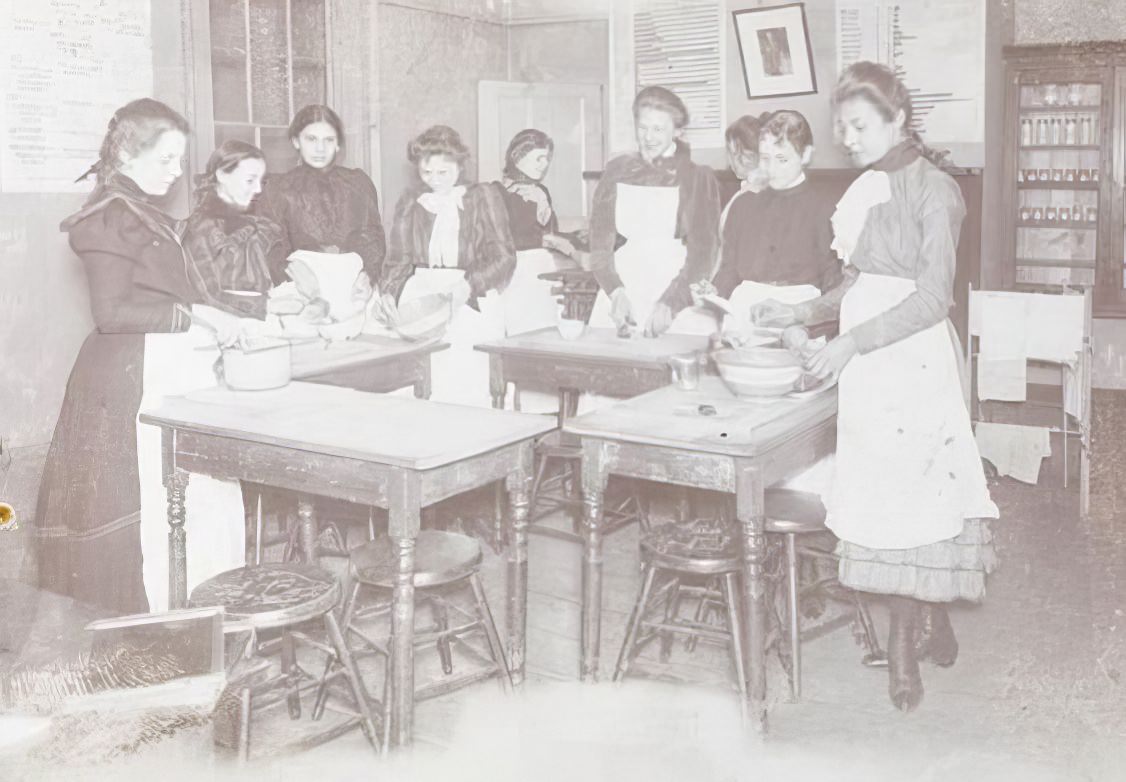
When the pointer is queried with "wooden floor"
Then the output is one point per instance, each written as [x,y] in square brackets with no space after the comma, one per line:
[1037,692]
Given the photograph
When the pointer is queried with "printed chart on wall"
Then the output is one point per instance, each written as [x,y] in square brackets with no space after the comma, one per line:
[66,65]
[936,46]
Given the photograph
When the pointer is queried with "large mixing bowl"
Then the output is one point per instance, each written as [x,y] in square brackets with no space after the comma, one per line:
[757,372]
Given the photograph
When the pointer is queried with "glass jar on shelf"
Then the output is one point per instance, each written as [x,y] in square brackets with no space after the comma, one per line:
[1070,135]
[1042,132]
[1026,132]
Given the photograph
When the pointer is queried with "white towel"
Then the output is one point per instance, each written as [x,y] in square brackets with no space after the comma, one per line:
[1003,379]
[1014,450]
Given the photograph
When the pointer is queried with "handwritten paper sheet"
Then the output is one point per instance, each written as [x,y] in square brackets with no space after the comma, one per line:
[936,46]
[66,66]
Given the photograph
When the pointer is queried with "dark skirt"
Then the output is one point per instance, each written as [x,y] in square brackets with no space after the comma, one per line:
[88,515]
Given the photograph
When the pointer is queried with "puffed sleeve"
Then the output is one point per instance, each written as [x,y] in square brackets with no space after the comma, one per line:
[495,251]
[368,238]
[273,204]
[403,254]
[603,229]
[211,252]
[941,213]
[108,242]
[701,238]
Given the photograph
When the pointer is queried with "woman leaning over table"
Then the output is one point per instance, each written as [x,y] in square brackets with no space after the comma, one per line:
[240,255]
[908,497]
[452,239]
[667,208]
[102,523]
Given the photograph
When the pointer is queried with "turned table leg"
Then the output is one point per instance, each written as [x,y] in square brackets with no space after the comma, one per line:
[750,512]
[176,485]
[594,484]
[519,482]
[307,529]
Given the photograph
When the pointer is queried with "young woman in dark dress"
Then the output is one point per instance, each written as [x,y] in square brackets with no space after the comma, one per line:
[240,255]
[323,206]
[90,508]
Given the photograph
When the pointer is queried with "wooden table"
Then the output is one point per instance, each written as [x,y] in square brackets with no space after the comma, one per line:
[742,449]
[598,362]
[367,363]
[393,452]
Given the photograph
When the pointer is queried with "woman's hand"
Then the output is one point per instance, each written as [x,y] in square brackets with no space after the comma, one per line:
[361,289]
[698,290]
[621,311]
[559,244]
[385,310]
[831,359]
[773,313]
[659,320]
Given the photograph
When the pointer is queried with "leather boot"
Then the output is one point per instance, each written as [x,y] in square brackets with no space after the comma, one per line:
[905,684]
[935,640]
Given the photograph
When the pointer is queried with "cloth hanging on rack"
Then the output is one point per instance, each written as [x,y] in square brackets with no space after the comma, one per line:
[1014,450]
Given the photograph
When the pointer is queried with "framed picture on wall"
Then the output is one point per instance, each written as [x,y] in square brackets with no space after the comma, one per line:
[775,51]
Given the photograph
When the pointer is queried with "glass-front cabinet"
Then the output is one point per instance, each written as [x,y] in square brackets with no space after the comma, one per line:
[1064,224]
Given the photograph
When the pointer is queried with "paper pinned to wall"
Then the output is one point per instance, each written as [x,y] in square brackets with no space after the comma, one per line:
[66,66]
[936,46]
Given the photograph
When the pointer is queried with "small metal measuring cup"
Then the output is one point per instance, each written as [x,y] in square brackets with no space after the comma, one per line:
[685,371]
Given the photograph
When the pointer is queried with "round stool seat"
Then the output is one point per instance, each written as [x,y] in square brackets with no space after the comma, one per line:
[701,548]
[270,595]
[439,558]
[796,512]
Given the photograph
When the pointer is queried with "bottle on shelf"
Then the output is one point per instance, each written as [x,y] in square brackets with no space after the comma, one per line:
[1026,132]
[1042,132]
[1057,135]
[1069,134]
[1085,130]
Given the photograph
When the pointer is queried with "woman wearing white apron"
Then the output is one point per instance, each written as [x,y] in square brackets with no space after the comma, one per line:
[528,302]
[667,208]
[92,521]
[909,495]
[452,239]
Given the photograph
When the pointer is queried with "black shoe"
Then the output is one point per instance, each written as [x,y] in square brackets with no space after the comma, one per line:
[934,638]
[905,683]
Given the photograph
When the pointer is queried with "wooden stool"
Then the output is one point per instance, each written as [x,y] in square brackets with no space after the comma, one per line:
[280,597]
[702,548]
[562,451]
[791,513]
[443,561]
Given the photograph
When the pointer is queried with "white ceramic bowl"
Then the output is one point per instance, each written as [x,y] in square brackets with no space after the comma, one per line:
[570,329]
[758,374]
[264,364]
[424,318]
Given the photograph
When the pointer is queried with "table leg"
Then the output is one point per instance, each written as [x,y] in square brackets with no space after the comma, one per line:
[176,485]
[750,511]
[402,642]
[498,385]
[519,483]
[422,384]
[307,529]
[594,484]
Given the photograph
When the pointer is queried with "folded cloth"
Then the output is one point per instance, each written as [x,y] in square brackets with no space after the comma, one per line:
[1003,379]
[335,275]
[1014,450]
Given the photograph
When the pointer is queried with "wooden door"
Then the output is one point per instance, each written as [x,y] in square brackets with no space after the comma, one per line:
[571,114]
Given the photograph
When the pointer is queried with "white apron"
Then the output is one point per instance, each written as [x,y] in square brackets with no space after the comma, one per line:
[650,259]
[459,374]
[908,472]
[748,293]
[527,301]
[215,521]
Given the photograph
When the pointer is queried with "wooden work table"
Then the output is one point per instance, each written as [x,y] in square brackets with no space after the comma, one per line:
[744,447]
[379,450]
[367,363]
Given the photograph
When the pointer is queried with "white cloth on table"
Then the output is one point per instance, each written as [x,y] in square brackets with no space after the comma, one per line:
[336,275]
[1014,450]
[177,364]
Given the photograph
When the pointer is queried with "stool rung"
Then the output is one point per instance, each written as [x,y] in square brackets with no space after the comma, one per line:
[449,684]
[686,628]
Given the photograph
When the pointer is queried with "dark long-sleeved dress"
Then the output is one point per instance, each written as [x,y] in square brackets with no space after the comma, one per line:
[88,515]
[333,206]
[235,250]
[527,202]
[697,218]
[781,237]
